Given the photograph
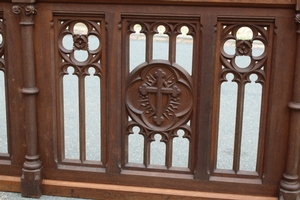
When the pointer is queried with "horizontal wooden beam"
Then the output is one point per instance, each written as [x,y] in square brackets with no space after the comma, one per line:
[10,183]
[107,191]
[276,3]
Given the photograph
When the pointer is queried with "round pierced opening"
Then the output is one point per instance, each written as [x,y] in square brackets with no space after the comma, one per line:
[229,47]
[67,42]
[253,77]
[80,55]
[184,30]
[161,29]
[242,61]
[244,33]
[258,48]
[94,42]
[1,39]
[80,29]
[229,76]
[137,28]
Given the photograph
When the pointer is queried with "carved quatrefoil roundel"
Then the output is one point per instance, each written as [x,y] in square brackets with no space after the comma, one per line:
[159,96]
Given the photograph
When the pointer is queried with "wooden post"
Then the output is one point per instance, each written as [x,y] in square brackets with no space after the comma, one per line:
[31,180]
[289,185]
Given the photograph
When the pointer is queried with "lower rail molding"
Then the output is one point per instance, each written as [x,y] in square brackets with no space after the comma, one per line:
[108,191]
[10,183]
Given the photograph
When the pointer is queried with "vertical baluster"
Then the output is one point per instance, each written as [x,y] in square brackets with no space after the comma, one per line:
[289,185]
[31,180]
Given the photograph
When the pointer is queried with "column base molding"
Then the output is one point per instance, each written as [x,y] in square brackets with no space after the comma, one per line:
[31,183]
[289,188]
[289,195]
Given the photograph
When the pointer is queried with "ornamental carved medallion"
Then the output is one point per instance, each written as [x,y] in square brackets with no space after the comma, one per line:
[159,96]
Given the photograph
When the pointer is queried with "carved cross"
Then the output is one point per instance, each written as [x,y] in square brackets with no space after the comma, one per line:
[160,89]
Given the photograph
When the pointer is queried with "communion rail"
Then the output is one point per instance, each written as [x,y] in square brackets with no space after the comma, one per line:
[160,99]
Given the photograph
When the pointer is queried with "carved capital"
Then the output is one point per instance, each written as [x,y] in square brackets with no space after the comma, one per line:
[25,9]
[297,18]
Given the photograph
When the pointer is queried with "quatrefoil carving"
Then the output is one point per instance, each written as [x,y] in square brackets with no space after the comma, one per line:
[159,96]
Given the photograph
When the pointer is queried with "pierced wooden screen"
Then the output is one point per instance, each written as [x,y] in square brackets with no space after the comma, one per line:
[243,63]
[159,92]
[4,150]
[81,47]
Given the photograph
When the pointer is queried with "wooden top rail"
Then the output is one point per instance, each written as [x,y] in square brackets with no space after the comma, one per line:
[276,3]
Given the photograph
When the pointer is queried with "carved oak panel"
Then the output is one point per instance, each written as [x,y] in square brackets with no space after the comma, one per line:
[159,96]
[176,109]
[81,88]
[159,93]
[243,59]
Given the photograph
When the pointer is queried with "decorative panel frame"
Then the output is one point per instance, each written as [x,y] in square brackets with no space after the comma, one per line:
[159,96]
[64,23]
[263,30]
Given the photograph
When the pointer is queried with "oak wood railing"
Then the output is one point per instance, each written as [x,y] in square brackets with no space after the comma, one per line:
[152,99]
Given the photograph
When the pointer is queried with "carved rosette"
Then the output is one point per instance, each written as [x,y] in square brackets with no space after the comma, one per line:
[159,96]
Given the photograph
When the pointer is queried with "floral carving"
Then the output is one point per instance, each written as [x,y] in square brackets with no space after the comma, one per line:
[80,42]
[29,9]
[243,47]
[16,9]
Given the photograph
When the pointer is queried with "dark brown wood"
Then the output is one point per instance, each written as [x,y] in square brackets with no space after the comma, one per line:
[66,58]
[256,3]
[228,28]
[42,63]
[289,185]
[23,1]
[31,179]
[15,103]
[169,90]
